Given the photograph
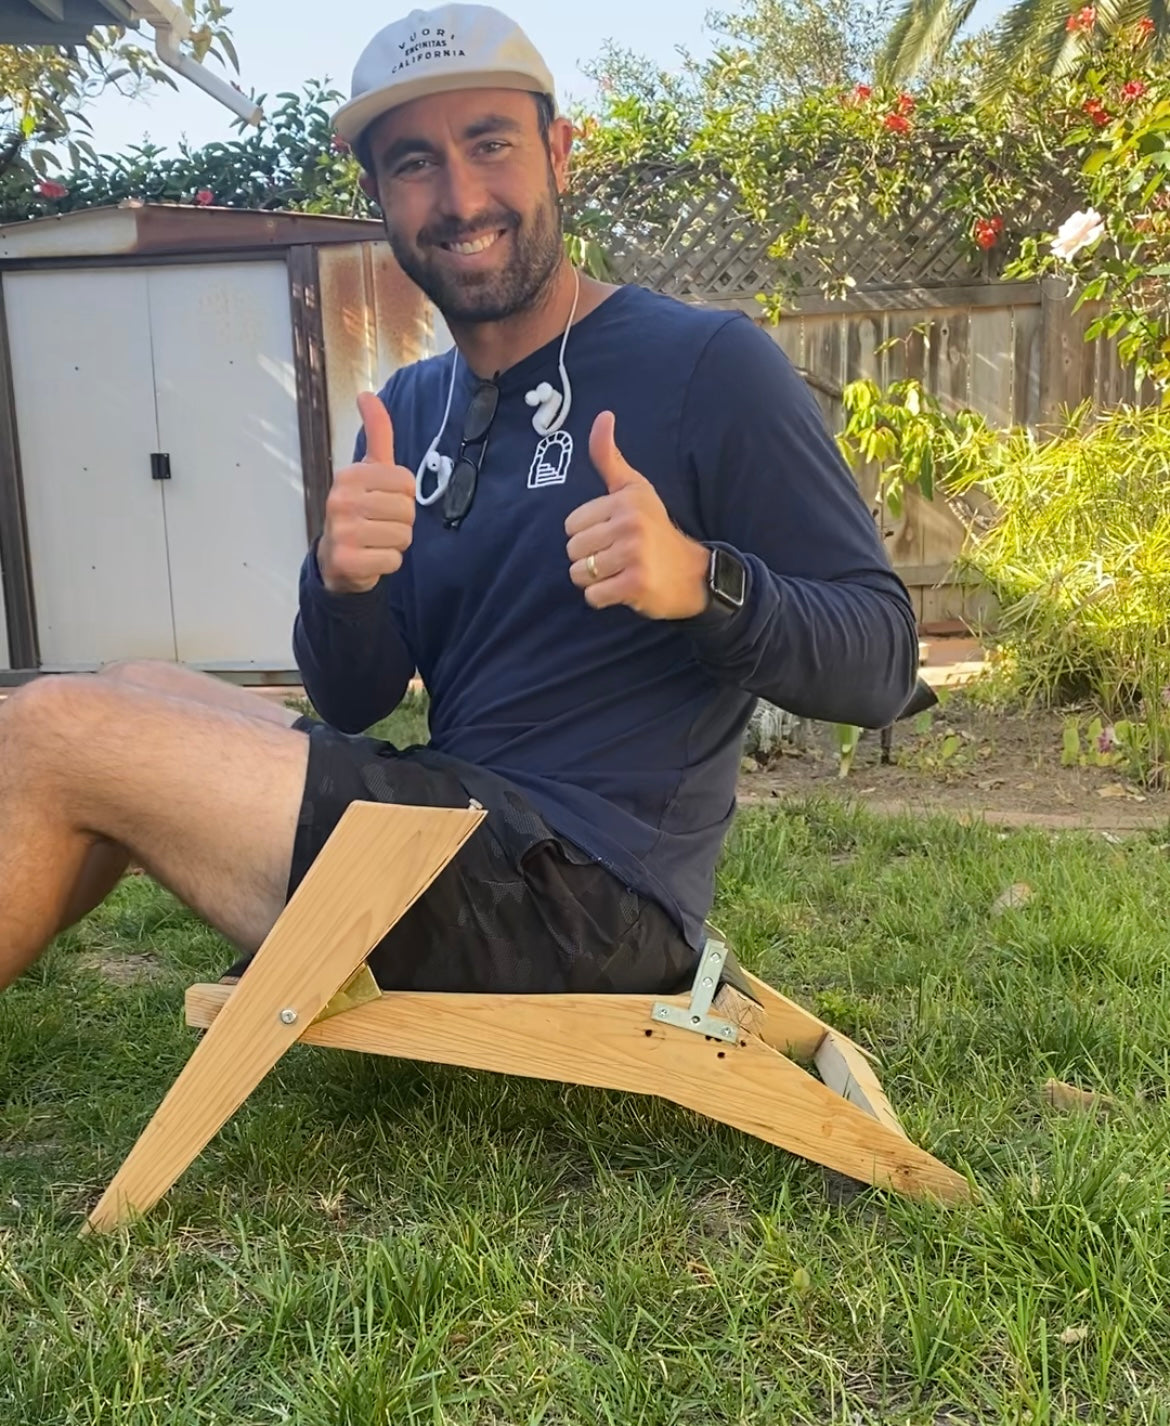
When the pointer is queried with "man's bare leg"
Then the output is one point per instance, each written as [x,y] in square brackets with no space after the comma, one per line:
[205,798]
[106,863]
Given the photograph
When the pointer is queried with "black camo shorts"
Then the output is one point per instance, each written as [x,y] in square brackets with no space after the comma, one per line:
[518,909]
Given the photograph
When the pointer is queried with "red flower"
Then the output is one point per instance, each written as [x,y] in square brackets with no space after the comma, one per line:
[1144,28]
[1134,89]
[856,96]
[51,189]
[1082,21]
[1096,111]
[339,145]
[905,104]
[205,197]
[987,230]
[897,123]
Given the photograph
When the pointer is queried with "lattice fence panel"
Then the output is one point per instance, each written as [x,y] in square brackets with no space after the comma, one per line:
[686,233]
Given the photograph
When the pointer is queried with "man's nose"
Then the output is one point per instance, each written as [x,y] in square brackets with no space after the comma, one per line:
[463,193]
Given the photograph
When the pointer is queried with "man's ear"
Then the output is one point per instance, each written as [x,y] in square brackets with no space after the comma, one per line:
[560,142]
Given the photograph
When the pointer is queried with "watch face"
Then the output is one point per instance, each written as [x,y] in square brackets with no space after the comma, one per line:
[728,579]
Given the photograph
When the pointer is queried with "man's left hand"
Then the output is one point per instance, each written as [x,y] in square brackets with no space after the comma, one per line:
[625,549]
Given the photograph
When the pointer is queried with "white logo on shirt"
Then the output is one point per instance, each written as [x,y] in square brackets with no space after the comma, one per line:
[550,464]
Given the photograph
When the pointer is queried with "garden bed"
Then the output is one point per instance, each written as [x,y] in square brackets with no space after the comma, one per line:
[971,761]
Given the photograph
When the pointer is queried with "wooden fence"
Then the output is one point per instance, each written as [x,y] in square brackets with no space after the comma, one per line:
[921,308]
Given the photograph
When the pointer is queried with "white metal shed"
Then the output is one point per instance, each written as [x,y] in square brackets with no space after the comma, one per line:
[175,386]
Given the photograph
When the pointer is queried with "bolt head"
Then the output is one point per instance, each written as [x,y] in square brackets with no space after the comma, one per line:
[288,1017]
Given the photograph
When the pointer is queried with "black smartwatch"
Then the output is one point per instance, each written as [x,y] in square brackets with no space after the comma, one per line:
[726,582]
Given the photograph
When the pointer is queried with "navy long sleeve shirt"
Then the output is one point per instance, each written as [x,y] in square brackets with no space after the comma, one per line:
[624,732]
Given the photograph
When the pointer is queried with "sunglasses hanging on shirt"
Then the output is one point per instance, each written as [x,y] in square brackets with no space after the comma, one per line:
[464,477]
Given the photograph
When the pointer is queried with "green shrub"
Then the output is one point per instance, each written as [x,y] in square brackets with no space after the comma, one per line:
[1077,555]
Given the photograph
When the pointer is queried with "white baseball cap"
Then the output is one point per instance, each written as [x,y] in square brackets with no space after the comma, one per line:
[435,51]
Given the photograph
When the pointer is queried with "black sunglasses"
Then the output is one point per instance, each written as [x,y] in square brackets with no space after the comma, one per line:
[477,423]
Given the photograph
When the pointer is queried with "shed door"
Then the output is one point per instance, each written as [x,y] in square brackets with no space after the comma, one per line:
[194,362]
[84,388]
[227,415]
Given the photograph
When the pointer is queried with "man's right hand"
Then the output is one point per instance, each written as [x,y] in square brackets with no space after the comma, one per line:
[369,513]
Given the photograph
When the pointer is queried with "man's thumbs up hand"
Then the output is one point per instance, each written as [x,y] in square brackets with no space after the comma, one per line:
[369,513]
[625,549]
[610,464]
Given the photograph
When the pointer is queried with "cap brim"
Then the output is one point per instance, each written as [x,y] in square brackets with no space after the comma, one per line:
[354,118]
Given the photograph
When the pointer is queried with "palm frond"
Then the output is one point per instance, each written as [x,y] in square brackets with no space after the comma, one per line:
[923,30]
[1033,34]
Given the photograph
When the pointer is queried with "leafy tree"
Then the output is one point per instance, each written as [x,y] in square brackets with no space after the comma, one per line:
[45,89]
[766,52]
[293,161]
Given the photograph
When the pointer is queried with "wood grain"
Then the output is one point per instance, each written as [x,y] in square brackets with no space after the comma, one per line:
[843,1067]
[610,1042]
[378,860]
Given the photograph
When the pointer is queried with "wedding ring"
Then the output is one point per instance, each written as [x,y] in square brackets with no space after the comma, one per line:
[591,566]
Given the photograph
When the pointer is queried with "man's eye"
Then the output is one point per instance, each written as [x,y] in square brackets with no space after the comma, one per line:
[493,146]
[412,165]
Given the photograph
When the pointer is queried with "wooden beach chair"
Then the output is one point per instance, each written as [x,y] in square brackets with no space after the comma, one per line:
[728,1049]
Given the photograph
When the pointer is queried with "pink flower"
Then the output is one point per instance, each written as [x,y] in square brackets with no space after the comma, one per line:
[51,189]
[1144,28]
[1082,21]
[1106,740]
[339,145]
[1134,89]
[205,198]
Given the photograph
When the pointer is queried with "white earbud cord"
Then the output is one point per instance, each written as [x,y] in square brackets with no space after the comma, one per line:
[551,403]
[554,411]
[439,466]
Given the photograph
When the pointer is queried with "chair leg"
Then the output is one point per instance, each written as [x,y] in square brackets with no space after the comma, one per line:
[378,860]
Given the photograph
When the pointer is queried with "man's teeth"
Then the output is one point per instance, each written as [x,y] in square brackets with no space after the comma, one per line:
[478,246]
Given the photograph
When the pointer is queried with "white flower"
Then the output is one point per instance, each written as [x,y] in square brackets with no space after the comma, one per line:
[1077,232]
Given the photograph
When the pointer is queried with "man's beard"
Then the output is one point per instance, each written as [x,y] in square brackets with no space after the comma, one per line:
[537,251]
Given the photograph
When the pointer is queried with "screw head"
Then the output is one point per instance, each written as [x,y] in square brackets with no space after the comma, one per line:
[288,1017]
[707,980]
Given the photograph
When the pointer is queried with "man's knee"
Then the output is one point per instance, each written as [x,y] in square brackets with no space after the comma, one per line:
[40,714]
[136,671]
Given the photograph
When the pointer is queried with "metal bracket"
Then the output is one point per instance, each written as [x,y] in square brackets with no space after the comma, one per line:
[359,989]
[696,1016]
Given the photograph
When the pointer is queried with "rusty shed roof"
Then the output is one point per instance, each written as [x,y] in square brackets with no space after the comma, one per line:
[136,229]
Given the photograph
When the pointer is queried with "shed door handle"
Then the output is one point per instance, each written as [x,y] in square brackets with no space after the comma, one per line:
[160,465]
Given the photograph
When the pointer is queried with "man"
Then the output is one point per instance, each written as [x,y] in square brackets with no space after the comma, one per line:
[600,527]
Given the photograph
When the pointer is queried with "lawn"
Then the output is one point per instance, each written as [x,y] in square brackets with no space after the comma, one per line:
[371,1241]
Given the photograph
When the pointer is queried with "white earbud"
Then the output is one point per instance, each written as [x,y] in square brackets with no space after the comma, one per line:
[438,466]
[549,400]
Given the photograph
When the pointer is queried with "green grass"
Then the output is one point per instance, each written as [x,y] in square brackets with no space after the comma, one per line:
[370,1241]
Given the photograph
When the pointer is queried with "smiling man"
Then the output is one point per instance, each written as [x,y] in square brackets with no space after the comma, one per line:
[600,526]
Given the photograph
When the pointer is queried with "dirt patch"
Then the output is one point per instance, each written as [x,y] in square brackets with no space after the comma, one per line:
[971,763]
[123,969]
